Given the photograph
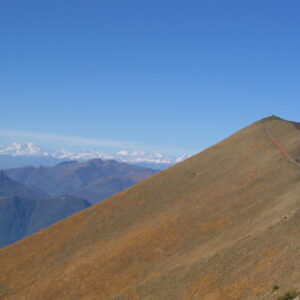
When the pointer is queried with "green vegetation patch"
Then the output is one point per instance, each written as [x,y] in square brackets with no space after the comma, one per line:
[288,295]
[4,290]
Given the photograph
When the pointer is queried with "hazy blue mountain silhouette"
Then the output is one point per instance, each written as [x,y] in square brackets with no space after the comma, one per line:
[25,210]
[93,180]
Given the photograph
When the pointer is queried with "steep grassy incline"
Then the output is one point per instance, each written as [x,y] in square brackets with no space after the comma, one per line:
[225,224]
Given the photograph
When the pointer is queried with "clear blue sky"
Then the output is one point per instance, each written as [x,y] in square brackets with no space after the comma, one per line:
[158,73]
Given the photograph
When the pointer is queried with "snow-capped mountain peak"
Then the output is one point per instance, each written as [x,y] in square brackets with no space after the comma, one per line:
[134,157]
[27,149]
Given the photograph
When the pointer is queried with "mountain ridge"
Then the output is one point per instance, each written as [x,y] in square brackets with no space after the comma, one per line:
[25,210]
[223,224]
[93,180]
[9,187]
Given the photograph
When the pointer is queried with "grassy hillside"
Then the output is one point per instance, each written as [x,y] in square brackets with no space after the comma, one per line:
[223,224]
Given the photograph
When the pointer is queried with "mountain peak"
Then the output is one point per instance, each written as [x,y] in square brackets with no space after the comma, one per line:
[24,149]
[223,224]
[150,159]
[95,161]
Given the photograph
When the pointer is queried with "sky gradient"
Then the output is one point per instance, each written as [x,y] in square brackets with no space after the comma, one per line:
[172,75]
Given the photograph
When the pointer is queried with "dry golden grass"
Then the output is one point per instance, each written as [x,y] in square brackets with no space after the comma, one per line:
[222,225]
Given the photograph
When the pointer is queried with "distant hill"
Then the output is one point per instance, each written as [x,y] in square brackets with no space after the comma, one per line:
[25,210]
[223,224]
[93,180]
[10,187]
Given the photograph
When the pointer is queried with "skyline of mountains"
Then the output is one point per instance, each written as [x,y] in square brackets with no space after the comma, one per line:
[33,198]
[9,187]
[223,224]
[21,154]
[25,210]
[93,180]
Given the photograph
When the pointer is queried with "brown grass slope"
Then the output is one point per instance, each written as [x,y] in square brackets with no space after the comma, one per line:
[224,224]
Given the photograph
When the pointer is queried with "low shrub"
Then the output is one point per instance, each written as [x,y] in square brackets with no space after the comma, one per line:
[290,295]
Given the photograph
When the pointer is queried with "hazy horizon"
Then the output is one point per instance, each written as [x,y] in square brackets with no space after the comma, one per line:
[167,75]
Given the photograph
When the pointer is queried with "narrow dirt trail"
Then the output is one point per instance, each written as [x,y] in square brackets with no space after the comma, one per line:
[292,160]
[281,147]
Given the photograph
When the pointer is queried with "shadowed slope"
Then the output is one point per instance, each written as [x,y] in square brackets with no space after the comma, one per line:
[20,217]
[25,210]
[10,187]
[222,225]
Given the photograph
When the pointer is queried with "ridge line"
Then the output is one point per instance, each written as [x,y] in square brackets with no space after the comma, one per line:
[280,146]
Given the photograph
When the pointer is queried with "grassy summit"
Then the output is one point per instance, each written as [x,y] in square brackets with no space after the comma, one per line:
[223,224]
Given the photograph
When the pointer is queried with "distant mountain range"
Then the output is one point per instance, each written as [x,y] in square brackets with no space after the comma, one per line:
[33,198]
[93,180]
[25,210]
[9,187]
[16,155]
[224,224]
